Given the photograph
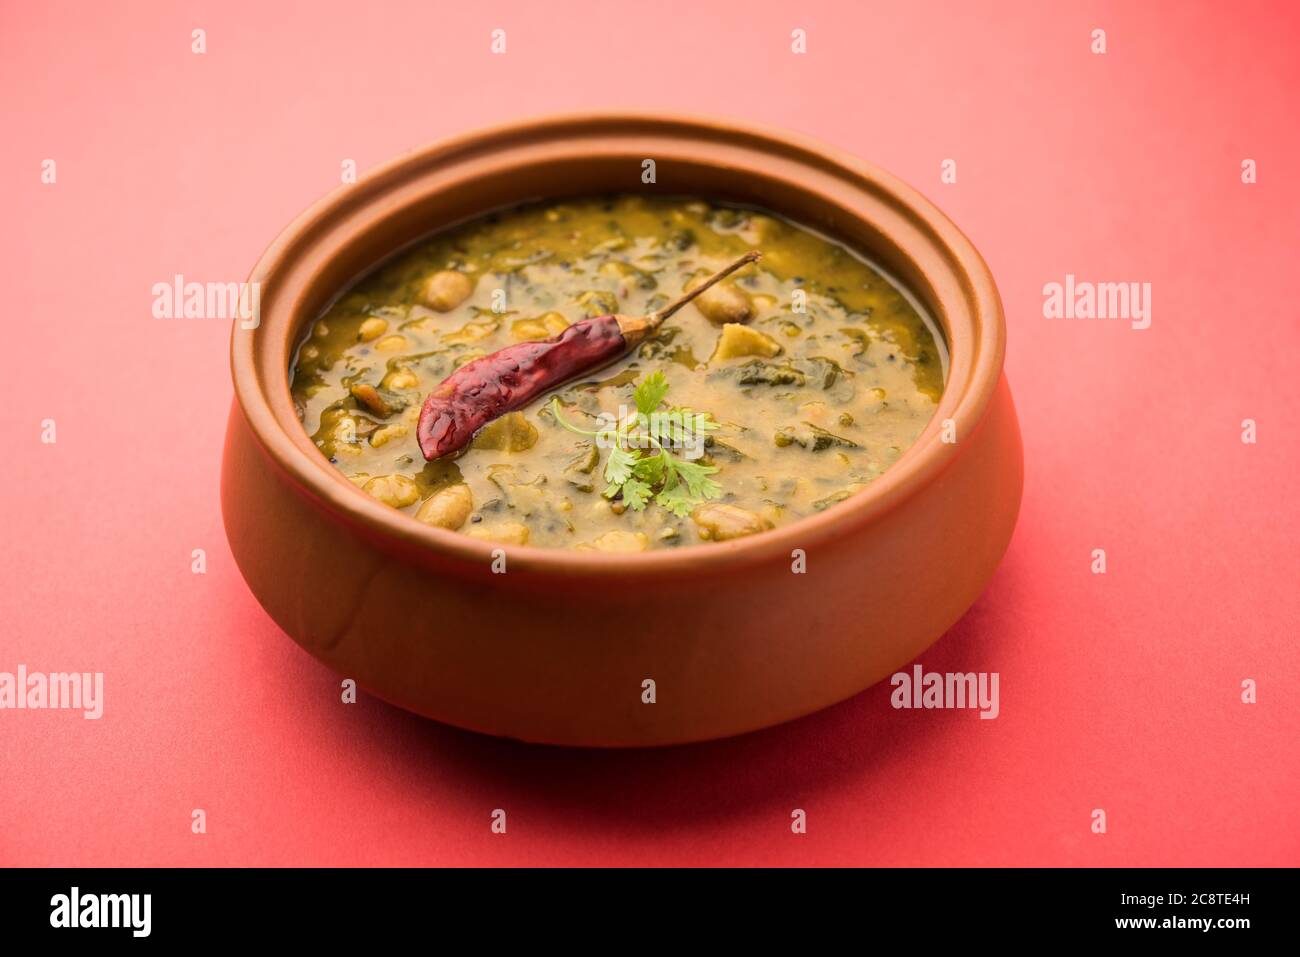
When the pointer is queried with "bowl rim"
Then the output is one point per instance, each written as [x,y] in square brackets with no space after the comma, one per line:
[973,324]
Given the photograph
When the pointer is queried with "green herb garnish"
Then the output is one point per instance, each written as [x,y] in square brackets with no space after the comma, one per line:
[640,468]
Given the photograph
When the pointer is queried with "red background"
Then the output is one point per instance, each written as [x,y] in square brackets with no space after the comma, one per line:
[1118,691]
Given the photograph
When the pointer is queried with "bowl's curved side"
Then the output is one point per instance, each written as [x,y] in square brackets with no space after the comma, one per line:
[511,654]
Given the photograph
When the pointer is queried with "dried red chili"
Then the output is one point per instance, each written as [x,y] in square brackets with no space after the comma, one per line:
[510,378]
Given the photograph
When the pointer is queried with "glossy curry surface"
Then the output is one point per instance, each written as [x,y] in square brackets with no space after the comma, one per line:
[819,371]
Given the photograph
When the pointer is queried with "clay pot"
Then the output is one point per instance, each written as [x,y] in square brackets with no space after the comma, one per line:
[732,637]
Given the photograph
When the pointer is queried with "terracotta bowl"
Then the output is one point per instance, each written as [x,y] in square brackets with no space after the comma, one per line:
[559,647]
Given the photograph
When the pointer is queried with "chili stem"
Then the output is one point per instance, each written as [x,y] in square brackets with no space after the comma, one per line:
[659,315]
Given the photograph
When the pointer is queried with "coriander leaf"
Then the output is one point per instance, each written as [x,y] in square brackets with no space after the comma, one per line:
[650,392]
[677,499]
[635,494]
[696,478]
[640,478]
[619,467]
[650,469]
